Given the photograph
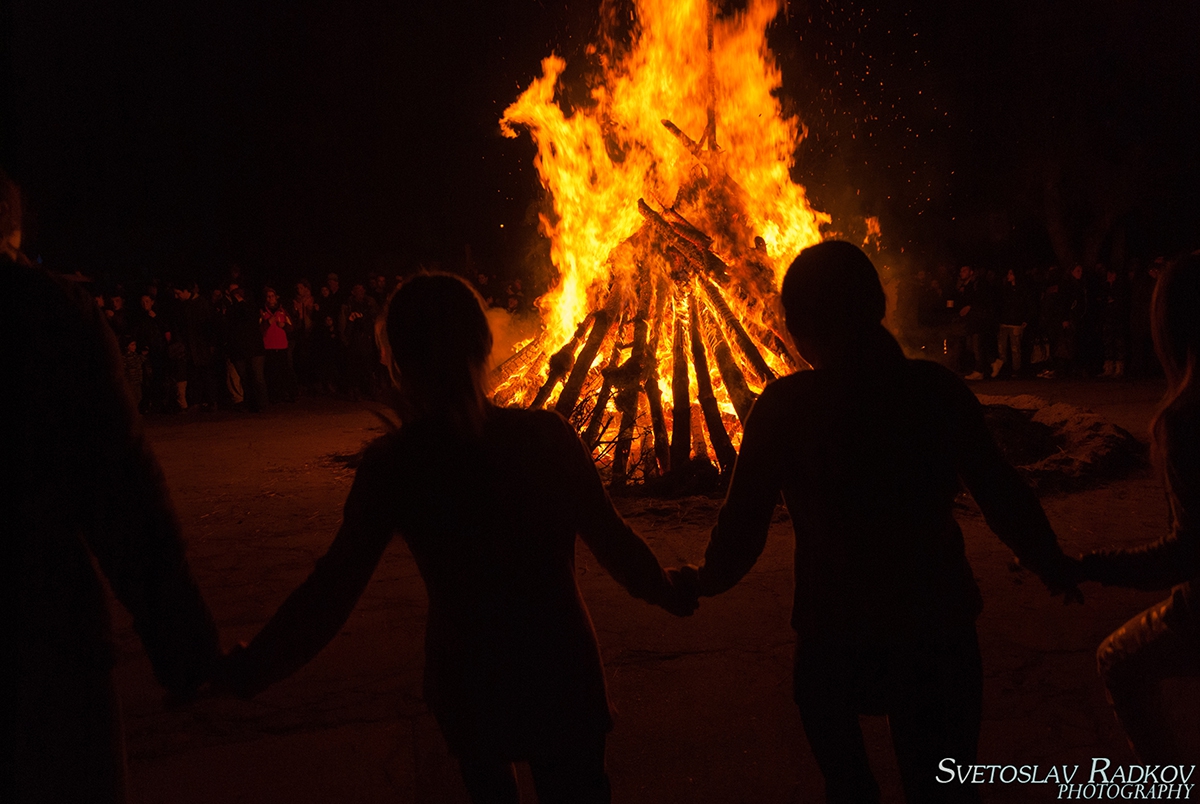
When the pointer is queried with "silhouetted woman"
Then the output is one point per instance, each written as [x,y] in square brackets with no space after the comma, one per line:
[489,501]
[1163,641]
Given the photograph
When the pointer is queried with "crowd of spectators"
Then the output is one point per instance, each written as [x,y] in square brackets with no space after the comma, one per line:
[188,348]
[1043,322]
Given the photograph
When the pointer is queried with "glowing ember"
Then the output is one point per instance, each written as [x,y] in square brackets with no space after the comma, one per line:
[674,220]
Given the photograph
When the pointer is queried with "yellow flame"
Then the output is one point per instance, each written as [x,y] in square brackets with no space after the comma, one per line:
[667,74]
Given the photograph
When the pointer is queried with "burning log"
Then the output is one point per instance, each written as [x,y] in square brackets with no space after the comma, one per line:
[658,423]
[687,240]
[745,344]
[694,147]
[627,396]
[685,228]
[681,429]
[691,252]
[601,322]
[596,422]
[735,381]
[717,435]
[511,375]
[560,363]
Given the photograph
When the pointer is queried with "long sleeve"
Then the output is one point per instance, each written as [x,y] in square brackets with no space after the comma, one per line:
[1009,505]
[315,612]
[89,470]
[740,534]
[622,553]
[1174,558]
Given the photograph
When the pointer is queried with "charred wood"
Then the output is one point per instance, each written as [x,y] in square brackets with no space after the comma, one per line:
[627,396]
[601,322]
[722,446]
[741,337]
[658,422]
[735,381]
[681,429]
[560,363]
[693,147]
[597,422]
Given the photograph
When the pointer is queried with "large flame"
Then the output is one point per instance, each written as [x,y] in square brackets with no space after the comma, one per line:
[688,119]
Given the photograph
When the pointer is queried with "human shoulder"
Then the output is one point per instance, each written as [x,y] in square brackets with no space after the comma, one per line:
[938,379]
[527,421]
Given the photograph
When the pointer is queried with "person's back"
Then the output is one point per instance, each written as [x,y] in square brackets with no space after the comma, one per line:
[868,450]
[870,456]
[491,522]
[490,502]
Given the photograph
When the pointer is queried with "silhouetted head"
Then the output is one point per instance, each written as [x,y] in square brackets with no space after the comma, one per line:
[437,346]
[833,302]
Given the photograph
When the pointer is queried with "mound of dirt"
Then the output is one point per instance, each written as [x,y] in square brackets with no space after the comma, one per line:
[1060,447]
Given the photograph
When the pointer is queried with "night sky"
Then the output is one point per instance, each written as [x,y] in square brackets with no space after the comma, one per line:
[170,139]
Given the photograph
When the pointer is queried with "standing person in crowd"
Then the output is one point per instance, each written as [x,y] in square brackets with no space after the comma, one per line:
[228,381]
[1114,323]
[118,316]
[87,505]
[1074,303]
[170,312]
[869,451]
[332,296]
[246,350]
[970,303]
[304,313]
[276,325]
[327,351]
[1142,281]
[200,335]
[1052,318]
[358,338]
[489,501]
[378,290]
[151,338]
[1164,641]
[1015,312]
[483,284]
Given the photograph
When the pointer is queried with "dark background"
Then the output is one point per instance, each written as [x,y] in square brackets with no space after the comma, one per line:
[171,139]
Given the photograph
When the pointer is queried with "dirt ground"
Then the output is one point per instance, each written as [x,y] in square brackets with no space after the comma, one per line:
[704,711]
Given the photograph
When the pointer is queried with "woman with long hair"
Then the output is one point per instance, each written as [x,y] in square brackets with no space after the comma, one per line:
[1163,641]
[489,501]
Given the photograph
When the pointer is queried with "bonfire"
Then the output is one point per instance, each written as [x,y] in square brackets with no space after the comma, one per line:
[674,218]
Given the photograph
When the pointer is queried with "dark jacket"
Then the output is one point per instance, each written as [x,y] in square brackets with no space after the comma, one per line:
[512,666]
[869,459]
[87,494]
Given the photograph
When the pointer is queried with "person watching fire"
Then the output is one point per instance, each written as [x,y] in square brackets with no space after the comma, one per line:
[868,451]
[489,501]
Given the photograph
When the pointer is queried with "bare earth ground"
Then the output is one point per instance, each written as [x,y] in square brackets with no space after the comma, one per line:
[704,704]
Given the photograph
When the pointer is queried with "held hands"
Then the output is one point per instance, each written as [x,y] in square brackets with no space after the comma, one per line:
[1068,573]
[683,596]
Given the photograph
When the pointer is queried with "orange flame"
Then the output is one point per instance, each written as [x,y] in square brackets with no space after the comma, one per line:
[688,119]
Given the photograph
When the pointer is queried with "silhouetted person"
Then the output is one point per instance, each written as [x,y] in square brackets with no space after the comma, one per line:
[1163,641]
[86,495]
[489,501]
[869,450]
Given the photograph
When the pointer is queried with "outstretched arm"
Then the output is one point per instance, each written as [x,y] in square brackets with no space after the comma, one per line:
[1175,557]
[622,553]
[740,534]
[85,428]
[314,613]
[1009,505]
